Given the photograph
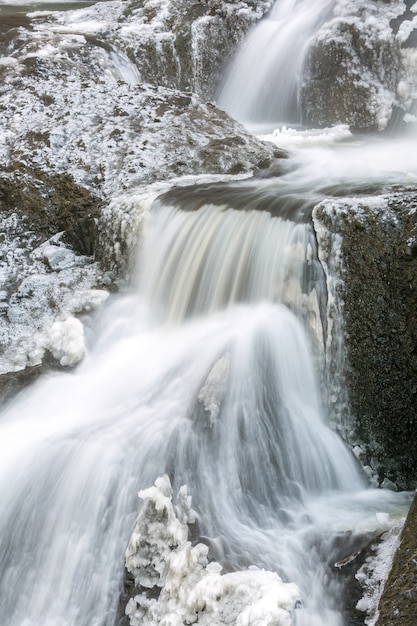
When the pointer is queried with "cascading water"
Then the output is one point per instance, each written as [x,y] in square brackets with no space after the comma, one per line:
[224,400]
[204,373]
[261,86]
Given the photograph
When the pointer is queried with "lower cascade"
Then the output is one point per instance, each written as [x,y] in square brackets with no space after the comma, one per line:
[201,377]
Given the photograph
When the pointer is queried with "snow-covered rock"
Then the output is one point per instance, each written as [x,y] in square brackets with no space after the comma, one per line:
[37,317]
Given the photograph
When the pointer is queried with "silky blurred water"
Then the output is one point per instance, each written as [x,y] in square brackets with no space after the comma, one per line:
[203,371]
[221,395]
[261,85]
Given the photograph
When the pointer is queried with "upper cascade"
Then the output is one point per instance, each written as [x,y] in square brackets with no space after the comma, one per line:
[324,63]
[262,83]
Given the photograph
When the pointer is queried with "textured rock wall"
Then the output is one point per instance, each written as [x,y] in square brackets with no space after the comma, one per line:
[397,606]
[376,240]
[185,44]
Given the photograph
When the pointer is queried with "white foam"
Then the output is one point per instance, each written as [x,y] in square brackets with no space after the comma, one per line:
[287,137]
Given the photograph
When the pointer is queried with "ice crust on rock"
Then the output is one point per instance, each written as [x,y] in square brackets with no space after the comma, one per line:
[66,341]
[176,582]
[374,573]
[358,70]
[52,285]
[71,111]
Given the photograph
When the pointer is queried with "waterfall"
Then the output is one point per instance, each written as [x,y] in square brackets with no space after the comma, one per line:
[261,86]
[205,371]
[216,390]
[213,258]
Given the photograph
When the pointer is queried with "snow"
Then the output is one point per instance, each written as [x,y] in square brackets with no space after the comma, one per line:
[193,589]
[368,10]
[53,284]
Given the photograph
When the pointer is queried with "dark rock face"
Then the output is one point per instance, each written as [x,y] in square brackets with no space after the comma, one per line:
[397,606]
[51,203]
[379,292]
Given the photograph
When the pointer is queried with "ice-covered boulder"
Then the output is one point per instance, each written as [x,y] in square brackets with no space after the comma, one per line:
[361,68]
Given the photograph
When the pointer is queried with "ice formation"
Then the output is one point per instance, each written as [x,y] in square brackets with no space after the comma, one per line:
[66,341]
[179,585]
[374,573]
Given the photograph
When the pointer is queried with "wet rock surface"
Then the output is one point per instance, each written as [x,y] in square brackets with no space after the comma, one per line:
[398,602]
[377,238]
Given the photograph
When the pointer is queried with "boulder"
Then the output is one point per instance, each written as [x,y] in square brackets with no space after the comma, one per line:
[369,246]
[360,69]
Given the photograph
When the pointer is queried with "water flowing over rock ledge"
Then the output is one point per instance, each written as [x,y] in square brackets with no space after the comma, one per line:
[75,134]
[86,146]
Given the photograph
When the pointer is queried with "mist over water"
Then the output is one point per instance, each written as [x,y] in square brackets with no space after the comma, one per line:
[333,156]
